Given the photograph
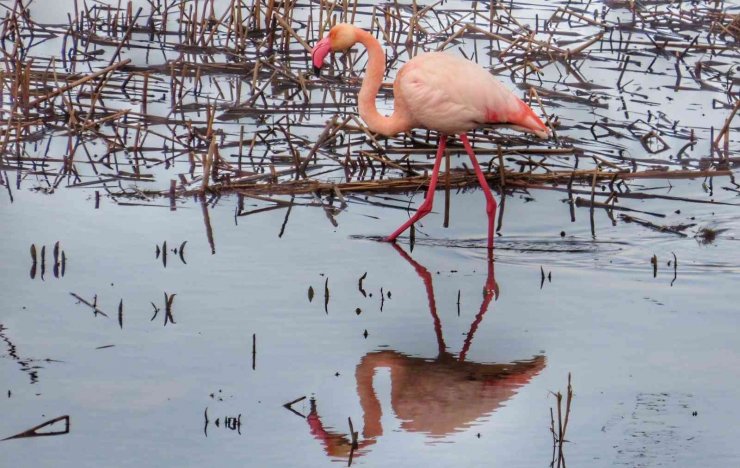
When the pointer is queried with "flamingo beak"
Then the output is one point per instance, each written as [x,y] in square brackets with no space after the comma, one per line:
[528,121]
[319,52]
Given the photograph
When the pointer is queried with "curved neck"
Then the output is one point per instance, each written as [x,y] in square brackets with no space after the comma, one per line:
[398,122]
[371,411]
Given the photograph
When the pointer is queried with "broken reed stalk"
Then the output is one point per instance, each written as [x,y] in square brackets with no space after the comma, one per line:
[292,33]
[78,82]
[459,178]
[254,351]
[207,162]
[353,435]
[726,126]
[559,428]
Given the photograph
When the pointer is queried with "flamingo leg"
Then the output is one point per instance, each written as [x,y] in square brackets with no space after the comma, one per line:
[426,206]
[490,201]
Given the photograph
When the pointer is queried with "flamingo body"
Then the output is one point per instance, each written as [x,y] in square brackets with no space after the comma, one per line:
[452,95]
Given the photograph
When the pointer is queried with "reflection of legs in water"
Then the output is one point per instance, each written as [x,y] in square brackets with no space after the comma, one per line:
[426,277]
[490,291]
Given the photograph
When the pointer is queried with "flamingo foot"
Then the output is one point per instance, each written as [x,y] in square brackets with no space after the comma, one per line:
[422,211]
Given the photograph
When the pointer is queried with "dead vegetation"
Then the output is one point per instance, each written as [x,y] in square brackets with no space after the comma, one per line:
[559,427]
[204,98]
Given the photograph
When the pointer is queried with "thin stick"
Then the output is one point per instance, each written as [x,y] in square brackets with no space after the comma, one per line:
[78,82]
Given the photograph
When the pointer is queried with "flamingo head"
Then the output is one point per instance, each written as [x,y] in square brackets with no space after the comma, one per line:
[340,37]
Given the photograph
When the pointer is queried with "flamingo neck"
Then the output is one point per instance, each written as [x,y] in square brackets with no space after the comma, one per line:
[397,122]
[371,410]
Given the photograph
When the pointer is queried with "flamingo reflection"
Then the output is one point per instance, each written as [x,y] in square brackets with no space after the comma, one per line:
[436,397]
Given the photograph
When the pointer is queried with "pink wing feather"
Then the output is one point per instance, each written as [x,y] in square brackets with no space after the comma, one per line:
[453,95]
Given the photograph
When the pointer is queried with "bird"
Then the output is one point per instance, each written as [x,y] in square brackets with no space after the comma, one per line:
[435,91]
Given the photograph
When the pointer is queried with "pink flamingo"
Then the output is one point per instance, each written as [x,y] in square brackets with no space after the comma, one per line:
[436,91]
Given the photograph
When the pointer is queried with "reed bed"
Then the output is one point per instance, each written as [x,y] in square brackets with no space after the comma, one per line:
[201,98]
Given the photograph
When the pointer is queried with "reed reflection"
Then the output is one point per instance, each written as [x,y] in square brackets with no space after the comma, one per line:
[438,396]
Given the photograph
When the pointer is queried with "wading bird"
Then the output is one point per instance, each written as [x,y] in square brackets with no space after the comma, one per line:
[436,91]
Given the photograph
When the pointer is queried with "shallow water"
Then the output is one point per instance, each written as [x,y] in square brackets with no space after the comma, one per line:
[269,308]
[644,354]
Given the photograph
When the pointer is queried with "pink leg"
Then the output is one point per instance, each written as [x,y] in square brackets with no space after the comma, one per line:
[426,206]
[490,201]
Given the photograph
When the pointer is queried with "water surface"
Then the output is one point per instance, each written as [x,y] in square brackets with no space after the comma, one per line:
[410,343]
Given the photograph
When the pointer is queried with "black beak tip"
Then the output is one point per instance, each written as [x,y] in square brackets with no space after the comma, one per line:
[316,70]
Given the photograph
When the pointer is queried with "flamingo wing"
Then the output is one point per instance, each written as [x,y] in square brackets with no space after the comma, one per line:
[453,95]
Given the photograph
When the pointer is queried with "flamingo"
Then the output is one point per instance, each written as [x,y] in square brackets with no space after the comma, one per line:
[436,91]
